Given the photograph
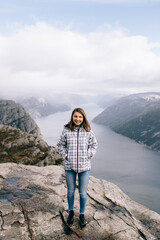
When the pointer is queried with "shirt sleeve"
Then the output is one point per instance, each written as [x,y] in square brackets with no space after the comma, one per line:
[92,146]
[62,145]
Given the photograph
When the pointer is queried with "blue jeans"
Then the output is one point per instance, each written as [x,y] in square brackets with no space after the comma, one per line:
[83,179]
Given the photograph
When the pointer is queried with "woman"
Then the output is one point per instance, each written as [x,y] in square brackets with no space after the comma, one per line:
[77,145]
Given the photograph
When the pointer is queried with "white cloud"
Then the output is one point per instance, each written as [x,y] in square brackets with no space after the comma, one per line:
[41,58]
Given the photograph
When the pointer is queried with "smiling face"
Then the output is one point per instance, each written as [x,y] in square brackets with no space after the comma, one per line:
[77,119]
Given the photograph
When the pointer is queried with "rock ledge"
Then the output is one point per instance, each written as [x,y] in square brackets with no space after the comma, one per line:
[33,206]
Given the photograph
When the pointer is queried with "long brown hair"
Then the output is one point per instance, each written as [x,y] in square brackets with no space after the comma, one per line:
[85,124]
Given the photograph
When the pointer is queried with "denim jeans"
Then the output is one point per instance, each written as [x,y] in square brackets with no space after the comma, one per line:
[83,179]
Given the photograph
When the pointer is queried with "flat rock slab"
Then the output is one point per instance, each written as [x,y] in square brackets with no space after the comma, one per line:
[33,206]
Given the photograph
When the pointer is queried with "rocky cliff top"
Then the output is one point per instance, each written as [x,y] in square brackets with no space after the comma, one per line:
[21,147]
[14,115]
[33,206]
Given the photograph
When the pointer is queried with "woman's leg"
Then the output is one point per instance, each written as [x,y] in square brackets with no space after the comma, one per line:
[71,185]
[83,179]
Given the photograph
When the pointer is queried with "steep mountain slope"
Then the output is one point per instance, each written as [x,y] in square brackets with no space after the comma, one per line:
[14,115]
[136,116]
[127,108]
[143,129]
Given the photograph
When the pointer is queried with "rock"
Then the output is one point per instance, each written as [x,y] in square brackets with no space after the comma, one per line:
[20,147]
[14,115]
[33,206]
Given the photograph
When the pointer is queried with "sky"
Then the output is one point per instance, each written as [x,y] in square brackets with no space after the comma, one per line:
[79,46]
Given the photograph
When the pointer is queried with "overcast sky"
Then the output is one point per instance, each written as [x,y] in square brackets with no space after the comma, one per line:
[94,46]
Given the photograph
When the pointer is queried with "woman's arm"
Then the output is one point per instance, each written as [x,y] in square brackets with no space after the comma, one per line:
[92,146]
[62,145]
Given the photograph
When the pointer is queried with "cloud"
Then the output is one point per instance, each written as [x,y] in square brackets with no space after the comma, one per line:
[42,58]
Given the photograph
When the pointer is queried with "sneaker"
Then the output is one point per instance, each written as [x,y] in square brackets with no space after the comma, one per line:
[82,221]
[70,218]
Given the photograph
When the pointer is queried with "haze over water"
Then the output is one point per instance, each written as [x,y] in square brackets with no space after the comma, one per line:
[131,166]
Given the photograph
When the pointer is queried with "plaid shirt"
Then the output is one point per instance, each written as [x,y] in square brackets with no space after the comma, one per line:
[77,147]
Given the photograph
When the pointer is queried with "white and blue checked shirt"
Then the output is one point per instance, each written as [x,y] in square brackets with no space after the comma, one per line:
[77,147]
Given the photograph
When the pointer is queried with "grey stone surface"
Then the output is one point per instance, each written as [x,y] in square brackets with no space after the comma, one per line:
[33,206]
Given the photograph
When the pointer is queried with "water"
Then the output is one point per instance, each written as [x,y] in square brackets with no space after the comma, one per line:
[131,166]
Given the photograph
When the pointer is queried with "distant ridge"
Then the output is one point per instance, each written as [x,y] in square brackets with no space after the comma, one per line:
[39,106]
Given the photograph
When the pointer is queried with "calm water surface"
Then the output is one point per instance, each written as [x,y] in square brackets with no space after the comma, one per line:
[131,166]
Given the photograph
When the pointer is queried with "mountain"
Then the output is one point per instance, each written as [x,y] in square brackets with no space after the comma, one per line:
[33,199]
[66,101]
[143,129]
[20,147]
[20,138]
[135,116]
[33,205]
[51,102]
[13,114]
[39,106]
